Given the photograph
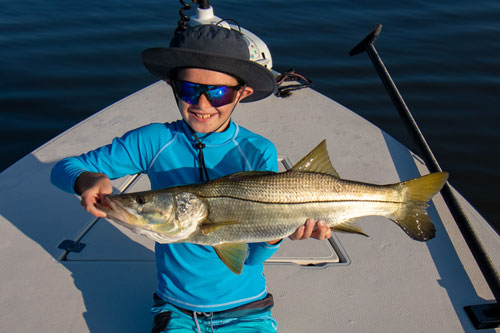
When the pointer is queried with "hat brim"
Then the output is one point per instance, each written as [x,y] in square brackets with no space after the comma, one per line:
[160,62]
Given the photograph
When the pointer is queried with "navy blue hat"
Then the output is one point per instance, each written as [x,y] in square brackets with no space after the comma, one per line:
[215,48]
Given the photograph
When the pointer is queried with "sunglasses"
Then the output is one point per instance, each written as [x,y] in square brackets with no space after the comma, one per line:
[190,92]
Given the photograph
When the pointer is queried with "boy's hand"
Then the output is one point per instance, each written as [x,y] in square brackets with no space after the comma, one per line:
[318,230]
[92,187]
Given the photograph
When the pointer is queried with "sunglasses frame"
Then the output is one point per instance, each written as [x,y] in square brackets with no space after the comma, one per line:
[206,89]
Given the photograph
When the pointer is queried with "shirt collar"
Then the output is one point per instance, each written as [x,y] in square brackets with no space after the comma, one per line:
[216,138]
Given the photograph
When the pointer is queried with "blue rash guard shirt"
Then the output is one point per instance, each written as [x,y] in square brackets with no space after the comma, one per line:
[190,276]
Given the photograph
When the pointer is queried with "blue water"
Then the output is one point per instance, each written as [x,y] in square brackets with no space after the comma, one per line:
[62,61]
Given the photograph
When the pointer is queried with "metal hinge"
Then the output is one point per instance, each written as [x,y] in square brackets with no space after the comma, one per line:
[71,246]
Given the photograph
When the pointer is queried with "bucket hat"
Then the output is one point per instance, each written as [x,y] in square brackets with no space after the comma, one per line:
[215,48]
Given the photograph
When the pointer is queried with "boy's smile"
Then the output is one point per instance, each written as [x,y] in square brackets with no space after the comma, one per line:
[202,116]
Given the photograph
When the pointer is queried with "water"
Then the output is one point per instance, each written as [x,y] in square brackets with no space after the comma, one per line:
[62,61]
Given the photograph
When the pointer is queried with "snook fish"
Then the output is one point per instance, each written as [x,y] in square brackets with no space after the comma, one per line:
[229,212]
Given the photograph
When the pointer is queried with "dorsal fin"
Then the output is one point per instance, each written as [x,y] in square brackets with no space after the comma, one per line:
[317,161]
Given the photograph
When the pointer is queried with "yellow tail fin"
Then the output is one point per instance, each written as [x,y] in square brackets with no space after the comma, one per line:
[413,218]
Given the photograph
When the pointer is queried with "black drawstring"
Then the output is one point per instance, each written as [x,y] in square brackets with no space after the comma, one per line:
[201,159]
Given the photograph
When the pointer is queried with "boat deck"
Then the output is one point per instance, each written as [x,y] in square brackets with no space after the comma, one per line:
[386,282]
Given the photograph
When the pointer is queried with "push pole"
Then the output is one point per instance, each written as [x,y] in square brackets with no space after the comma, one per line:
[482,316]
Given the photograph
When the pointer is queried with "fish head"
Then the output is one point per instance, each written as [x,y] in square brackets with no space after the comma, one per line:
[164,216]
[142,210]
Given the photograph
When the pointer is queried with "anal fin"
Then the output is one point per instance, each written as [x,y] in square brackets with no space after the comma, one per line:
[349,228]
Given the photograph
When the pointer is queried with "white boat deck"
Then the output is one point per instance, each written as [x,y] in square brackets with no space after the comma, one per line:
[386,283]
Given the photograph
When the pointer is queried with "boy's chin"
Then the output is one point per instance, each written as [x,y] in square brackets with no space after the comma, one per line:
[206,127]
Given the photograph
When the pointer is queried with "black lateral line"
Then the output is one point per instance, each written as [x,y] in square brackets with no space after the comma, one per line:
[295,203]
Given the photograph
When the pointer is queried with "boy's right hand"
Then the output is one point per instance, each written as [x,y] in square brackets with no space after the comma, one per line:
[92,187]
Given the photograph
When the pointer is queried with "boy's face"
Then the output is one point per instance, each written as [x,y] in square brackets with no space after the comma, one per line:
[201,115]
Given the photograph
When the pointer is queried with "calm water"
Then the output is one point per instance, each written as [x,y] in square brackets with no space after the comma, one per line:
[62,61]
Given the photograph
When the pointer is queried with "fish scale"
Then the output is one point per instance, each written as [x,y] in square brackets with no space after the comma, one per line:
[296,187]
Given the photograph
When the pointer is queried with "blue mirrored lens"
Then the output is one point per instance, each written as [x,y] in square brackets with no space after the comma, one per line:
[190,93]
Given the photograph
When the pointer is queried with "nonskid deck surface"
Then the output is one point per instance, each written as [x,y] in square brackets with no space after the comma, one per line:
[386,282]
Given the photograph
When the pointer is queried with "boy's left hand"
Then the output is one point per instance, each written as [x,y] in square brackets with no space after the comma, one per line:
[318,230]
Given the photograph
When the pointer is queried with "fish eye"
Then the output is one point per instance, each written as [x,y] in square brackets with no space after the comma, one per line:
[140,200]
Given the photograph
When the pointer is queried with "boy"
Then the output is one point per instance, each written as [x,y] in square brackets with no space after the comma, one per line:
[209,70]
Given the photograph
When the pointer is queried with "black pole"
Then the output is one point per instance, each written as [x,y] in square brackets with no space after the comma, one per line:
[489,271]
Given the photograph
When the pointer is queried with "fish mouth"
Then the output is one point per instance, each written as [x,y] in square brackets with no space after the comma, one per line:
[104,206]
[116,212]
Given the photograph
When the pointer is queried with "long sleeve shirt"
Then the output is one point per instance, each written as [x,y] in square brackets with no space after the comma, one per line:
[190,276]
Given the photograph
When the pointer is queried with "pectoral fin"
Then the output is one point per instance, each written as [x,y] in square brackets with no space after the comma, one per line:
[209,227]
[233,255]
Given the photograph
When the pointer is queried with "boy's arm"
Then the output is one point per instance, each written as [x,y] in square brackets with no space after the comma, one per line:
[89,174]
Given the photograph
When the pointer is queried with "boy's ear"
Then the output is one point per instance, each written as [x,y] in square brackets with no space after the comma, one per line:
[246,92]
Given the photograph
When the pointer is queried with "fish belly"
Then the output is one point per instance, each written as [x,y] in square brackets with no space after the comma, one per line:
[249,221]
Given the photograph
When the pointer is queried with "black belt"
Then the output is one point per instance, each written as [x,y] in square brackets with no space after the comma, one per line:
[262,305]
